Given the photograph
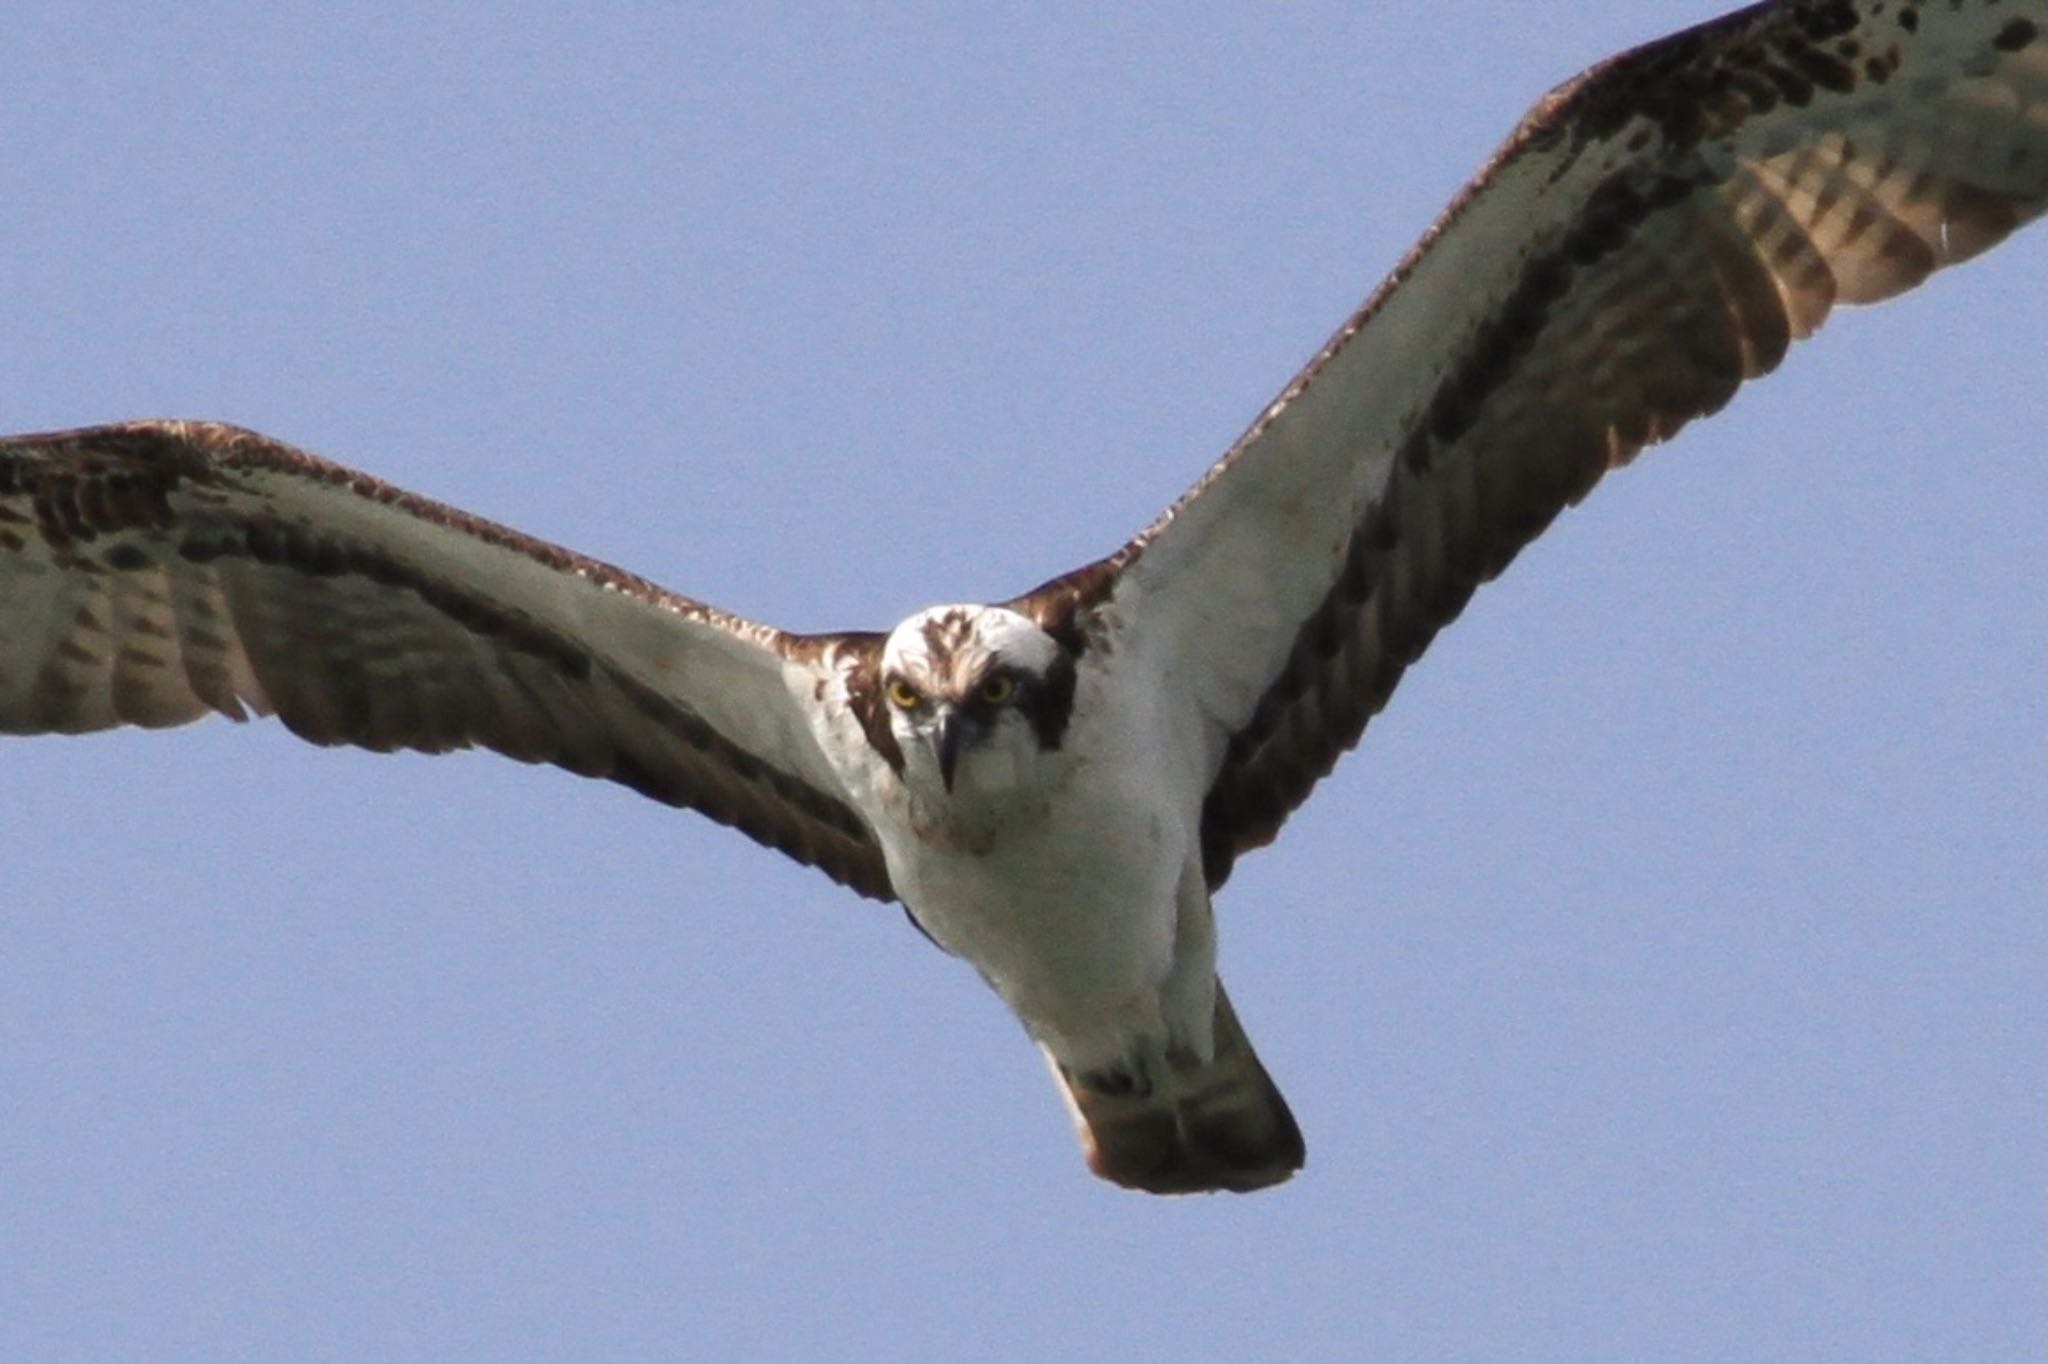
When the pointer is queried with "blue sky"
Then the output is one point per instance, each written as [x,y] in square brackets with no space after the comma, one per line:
[1660,979]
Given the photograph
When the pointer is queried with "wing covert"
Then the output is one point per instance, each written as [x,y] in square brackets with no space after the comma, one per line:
[152,573]
[1656,231]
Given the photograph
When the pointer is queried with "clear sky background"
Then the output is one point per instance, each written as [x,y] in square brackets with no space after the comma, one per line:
[1662,979]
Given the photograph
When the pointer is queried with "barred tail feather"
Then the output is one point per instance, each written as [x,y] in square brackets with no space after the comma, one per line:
[1200,1127]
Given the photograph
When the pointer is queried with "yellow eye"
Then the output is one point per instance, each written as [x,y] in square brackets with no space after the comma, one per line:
[902,695]
[998,689]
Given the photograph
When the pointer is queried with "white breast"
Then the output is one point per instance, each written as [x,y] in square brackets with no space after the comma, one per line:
[1058,882]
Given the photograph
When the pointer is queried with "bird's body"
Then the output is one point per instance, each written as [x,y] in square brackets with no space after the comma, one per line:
[1055,786]
[1054,872]
[1057,857]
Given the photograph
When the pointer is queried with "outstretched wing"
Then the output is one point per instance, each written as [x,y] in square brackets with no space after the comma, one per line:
[155,572]
[1655,232]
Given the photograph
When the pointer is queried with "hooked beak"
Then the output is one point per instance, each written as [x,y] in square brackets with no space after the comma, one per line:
[955,732]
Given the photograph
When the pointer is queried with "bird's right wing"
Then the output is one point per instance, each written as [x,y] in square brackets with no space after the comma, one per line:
[155,572]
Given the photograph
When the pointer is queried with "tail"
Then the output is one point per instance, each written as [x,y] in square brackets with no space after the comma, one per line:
[1189,1127]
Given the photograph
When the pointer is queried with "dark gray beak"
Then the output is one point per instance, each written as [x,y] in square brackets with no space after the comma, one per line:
[957,731]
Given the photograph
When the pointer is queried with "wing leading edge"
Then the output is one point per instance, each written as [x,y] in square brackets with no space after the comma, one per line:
[1655,232]
[156,572]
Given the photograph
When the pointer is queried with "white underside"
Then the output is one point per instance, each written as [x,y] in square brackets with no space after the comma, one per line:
[1069,879]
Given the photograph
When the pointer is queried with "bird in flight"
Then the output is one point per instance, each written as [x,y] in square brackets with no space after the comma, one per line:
[1056,786]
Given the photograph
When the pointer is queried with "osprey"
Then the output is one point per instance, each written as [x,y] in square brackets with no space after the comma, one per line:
[1055,786]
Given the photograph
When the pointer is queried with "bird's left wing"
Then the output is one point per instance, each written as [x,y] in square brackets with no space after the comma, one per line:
[154,572]
[1656,231]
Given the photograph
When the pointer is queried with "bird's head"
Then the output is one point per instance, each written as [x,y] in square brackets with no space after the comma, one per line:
[975,696]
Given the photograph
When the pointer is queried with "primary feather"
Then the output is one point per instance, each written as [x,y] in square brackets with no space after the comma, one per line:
[1055,786]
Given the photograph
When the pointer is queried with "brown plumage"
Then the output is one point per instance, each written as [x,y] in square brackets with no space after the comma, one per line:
[1728,186]
[1654,234]
[1215,1125]
[156,572]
